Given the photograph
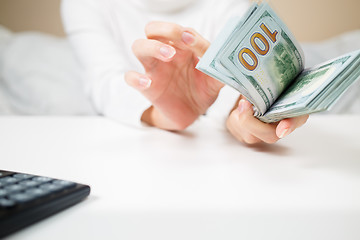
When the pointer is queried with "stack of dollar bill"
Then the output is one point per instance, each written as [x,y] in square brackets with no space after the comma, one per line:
[258,56]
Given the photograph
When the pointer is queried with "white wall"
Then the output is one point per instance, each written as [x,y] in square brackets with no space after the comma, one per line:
[309,20]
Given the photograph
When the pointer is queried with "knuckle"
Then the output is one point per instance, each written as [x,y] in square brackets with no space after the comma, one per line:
[250,139]
[127,76]
[229,124]
[243,119]
[268,135]
[136,44]
[190,29]
[232,120]
[230,128]
[172,30]
[237,136]
[180,126]
[233,129]
[150,25]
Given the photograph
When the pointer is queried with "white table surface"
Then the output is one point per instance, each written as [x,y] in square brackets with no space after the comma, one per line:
[199,184]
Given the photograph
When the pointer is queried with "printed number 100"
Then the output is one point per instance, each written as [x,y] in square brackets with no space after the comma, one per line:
[246,51]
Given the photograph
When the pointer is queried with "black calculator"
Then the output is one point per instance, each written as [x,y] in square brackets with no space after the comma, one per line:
[27,198]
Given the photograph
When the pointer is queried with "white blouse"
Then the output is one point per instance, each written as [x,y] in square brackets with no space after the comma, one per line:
[102,32]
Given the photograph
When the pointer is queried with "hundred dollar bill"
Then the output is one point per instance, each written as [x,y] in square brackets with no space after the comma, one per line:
[316,89]
[258,56]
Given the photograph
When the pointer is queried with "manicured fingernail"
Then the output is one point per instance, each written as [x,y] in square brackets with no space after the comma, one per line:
[241,106]
[284,133]
[188,38]
[167,51]
[144,82]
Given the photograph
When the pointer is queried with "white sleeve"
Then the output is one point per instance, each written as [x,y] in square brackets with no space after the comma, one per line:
[103,61]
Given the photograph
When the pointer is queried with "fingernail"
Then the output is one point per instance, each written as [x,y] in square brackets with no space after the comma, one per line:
[241,106]
[144,82]
[188,38]
[167,51]
[284,133]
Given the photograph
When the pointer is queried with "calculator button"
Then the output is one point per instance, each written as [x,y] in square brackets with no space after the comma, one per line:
[22,176]
[64,184]
[51,187]
[37,192]
[3,193]
[21,197]
[14,188]
[6,203]
[7,180]
[42,179]
[29,183]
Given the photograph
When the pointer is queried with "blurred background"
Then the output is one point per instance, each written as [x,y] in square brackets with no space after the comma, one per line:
[309,20]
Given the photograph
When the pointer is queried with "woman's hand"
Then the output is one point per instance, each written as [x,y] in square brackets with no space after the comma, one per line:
[242,124]
[179,92]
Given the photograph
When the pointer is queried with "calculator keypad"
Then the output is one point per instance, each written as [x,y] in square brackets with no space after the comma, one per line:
[21,188]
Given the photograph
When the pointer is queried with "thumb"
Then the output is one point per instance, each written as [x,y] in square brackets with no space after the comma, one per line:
[244,109]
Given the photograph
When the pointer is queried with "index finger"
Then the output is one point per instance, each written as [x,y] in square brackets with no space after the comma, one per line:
[286,126]
[180,36]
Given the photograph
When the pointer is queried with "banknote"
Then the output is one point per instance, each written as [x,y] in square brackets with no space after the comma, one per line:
[316,89]
[258,55]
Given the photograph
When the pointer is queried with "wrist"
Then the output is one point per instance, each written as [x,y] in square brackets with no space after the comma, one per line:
[153,117]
